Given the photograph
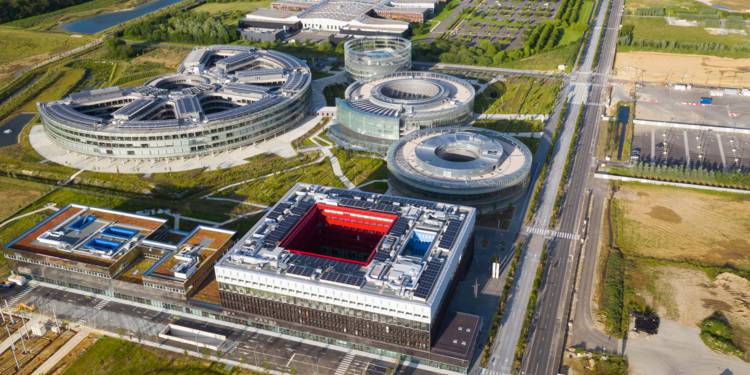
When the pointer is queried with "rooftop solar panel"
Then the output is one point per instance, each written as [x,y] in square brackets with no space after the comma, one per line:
[427,280]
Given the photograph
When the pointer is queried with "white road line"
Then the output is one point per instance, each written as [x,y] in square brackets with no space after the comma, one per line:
[344,364]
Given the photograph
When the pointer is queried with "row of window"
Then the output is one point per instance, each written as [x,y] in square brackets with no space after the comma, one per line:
[19,258]
[310,299]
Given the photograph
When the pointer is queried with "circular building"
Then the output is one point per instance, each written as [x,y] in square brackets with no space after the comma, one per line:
[378,112]
[463,165]
[367,58]
[221,98]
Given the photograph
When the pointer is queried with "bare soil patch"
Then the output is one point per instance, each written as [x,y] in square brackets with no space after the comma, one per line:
[684,225]
[671,67]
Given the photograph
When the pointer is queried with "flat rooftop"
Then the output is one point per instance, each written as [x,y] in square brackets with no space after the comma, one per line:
[376,244]
[194,252]
[459,337]
[340,10]
[88,235]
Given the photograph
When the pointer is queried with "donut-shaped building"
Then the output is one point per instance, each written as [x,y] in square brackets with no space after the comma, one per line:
[367,58]
[221,98]
[378,112]
[467,165]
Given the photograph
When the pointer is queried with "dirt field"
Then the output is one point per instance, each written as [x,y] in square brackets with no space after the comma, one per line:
[669,67]
[680,224]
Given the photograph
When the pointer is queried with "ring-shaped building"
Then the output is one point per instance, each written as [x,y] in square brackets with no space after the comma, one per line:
[370,57]
[476,167]
[221,98]
[378,112]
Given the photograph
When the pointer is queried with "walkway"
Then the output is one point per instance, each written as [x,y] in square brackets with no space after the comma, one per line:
[53,360]
[280,145]
[335,165]
[607,176]
[48,206]
[318,85]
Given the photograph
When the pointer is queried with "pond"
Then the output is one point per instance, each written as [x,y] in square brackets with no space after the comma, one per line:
[95,24]
[10,129]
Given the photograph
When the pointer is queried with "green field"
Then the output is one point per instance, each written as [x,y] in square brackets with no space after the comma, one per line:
[17,45]
[511,126]
[18,194]
[654,34]
[113,356]
[269,190]
[522,95]
[235,6]
[360,167]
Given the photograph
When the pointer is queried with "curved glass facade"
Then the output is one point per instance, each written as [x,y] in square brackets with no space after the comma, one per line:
[378,112]
[366,58]
[222,98]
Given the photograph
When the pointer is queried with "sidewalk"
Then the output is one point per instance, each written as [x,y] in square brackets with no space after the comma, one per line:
[50,363]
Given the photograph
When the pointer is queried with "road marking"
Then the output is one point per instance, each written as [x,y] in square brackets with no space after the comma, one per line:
[102,304]
[551,233]
[20,296]
[344,364]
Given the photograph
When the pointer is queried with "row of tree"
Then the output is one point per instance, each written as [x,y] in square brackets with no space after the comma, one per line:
[544,36]
[183,27]
[11,10]
[569,11]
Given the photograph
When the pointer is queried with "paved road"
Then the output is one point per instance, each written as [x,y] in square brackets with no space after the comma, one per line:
[503,355]
[253,347]
[549,327]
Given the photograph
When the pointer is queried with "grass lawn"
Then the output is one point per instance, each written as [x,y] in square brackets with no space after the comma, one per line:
[17,44]
[524,95]
[63,86]
[20,48]
[657,29]
[549,60]
[113,356]
[360,167]
[179,184]
[269,190]
[510,126]
[242,6]
[18,194]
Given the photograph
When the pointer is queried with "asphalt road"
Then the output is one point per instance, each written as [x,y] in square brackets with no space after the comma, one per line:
[580,89]
[272,351]
[550,323]
[583,333]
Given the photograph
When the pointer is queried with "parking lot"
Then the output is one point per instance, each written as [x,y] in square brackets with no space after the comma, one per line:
[663,103]
[697,148]
[502,23]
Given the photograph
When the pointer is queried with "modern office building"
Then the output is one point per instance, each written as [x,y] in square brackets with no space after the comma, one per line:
[463,165]
[370,57]
[118,254]
[377,112]
[344,18]
[349,264]
[222,98]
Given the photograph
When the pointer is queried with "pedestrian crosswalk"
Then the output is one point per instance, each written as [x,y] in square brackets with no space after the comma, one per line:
[344,364]
[102,304]
[18,297]
[551,233]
